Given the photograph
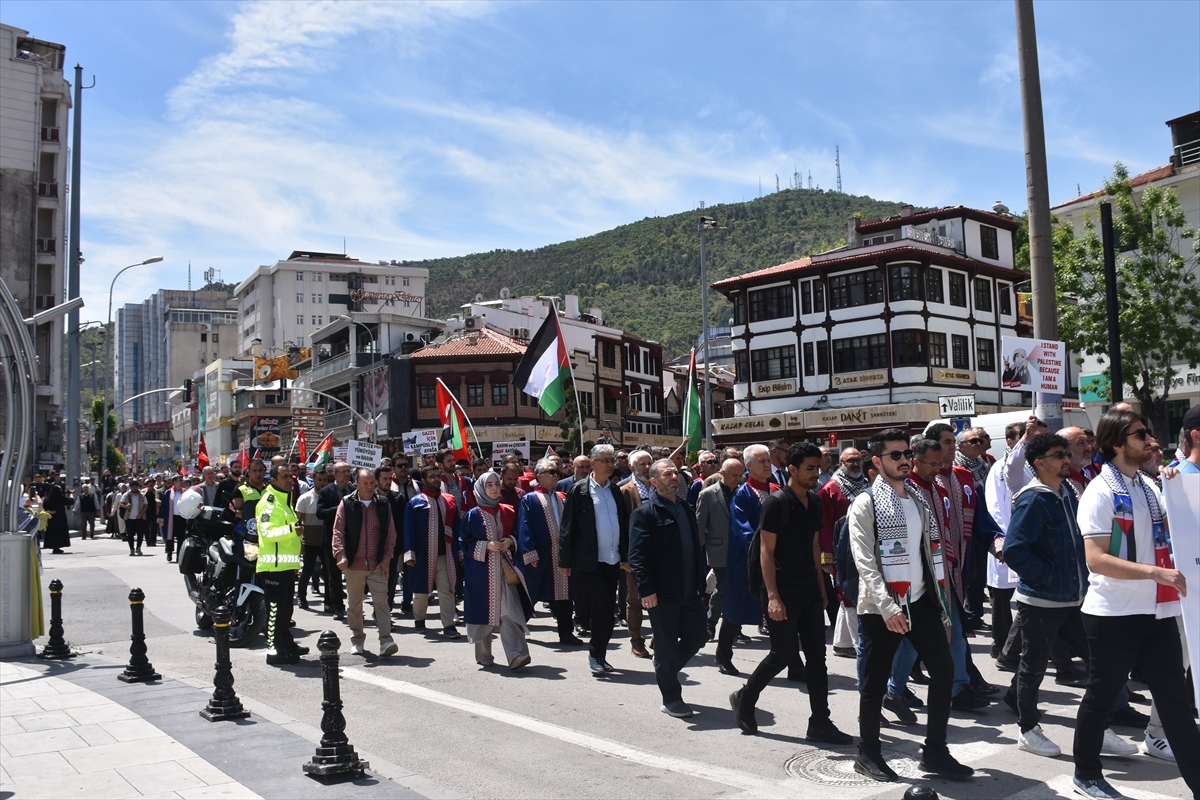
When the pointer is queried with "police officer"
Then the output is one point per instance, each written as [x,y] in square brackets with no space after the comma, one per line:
[280,549]
[246,495]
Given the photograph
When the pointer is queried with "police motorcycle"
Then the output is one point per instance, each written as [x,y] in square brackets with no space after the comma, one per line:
[218,560]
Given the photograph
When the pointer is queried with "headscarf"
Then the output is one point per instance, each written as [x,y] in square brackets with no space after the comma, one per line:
[481,496]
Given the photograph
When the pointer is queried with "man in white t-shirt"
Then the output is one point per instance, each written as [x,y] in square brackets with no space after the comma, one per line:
[1132,604]
[891,536]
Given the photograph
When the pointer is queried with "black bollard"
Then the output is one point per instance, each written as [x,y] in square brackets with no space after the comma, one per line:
[335,757]
[224,704]
[139,669]
[56,648]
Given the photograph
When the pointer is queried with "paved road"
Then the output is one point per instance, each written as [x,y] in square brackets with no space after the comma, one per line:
[552,730]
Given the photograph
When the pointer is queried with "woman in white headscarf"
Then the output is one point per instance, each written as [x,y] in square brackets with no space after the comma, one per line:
[495,597]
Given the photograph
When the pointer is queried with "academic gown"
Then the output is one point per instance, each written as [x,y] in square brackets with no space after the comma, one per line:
[537,542]
[741,608]
[483,576]
[420,542]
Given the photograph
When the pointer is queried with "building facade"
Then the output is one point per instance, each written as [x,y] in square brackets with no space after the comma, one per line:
[912,308]
[35,101]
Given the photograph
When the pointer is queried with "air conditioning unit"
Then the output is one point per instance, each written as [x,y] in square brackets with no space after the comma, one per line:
[408,337]
[47,189]
[520,333]
[49,134]
[47,245]
[472,323]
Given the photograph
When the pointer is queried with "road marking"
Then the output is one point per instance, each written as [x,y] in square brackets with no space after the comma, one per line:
[739,780]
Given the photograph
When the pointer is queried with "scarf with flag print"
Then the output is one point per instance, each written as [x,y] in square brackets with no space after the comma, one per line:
[891,531]
[1168,604]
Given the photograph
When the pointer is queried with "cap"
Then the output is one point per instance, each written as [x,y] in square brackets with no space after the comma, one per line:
[1191,420]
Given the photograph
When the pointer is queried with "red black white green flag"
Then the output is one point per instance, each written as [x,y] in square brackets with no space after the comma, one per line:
[545,368]
[454,423]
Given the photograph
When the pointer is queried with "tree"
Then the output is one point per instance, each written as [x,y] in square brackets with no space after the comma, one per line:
[569,427]
[1157,291]
[115,459]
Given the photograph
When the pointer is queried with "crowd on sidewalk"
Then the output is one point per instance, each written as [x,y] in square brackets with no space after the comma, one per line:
[900,548]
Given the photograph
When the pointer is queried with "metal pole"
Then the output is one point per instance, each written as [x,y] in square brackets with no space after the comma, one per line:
[1041,255]
[708,443]
[1110,291]
[73,466]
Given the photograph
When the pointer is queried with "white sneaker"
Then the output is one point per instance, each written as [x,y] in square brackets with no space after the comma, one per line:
[358,650]
[1116,746]
[388,650]
[1155,747]
[1035,741]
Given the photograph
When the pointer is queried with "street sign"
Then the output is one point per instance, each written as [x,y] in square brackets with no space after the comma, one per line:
[957,405]
[960,424]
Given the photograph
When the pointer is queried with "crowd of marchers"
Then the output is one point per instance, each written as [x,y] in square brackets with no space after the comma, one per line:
[900,548]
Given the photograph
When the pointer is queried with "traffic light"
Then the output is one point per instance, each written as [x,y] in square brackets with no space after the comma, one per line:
[187,390]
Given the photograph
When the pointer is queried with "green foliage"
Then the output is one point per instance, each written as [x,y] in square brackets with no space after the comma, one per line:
[645,276]
[569,427]
[115,459]
[1157,293]
[1021,244]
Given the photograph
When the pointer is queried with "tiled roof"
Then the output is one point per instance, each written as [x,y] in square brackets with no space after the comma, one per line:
[945,212]
[1156,174]
[485,342]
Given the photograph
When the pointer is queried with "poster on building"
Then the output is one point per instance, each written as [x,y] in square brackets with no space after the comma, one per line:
[1033,365]
[363,454]
[1182,496]
[501,449]
[374,386]
[264,436]
[417,443]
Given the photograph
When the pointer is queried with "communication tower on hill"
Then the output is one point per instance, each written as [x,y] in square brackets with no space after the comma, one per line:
[837,162]
[810,179]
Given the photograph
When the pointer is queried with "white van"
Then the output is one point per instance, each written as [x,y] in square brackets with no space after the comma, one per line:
[995,424]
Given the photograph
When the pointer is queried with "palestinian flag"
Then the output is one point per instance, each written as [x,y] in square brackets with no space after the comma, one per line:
[202,458]
[454,436]
[545,369]
[691,409]
[322,456]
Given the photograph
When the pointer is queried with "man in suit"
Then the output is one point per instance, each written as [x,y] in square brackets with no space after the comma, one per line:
[779,471]
[582,466]
[666,559]
[636,491]
[593,545]
[328,501]
[712,518]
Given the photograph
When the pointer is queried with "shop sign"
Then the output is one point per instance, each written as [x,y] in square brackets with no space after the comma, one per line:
[859,380]
[963,376]
[770,388]
[735,426]
[863,416]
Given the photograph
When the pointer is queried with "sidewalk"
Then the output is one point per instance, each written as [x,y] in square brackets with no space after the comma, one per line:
[70,729]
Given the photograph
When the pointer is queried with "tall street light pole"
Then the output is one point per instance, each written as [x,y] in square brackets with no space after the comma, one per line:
[108,345]
[706,224]
[371,390]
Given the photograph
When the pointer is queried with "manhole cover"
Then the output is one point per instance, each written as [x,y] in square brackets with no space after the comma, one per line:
[837,769]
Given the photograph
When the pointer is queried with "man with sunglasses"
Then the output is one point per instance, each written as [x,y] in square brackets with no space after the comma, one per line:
[901,594]
[708,466]
[1132,605]
[1044,547]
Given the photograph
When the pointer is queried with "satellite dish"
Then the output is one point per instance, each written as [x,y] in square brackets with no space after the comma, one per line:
[264,371]
[479,297]
[504,292]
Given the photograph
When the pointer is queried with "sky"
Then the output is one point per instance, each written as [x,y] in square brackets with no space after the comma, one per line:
[228,134]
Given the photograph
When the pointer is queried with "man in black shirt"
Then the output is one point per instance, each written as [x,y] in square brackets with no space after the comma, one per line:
[793,594]
[227,488]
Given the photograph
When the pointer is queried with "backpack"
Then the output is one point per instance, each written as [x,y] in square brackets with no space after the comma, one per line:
[843,559]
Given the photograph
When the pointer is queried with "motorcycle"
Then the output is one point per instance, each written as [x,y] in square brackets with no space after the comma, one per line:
[217,560]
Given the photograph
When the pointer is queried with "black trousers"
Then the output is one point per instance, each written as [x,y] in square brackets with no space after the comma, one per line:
[561,609]
[335,594]
[803,627]
[1117,645]
[602,585]
[583,604]
[312,557]
[928,637]
[1039,627]
[831,610]
[975,579]
[1002,617]
[679,633]
[135,529]
[279,590]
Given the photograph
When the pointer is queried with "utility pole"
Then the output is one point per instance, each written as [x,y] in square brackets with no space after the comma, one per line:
[1116,379]
[73,361]
[1041,256]
[706,224]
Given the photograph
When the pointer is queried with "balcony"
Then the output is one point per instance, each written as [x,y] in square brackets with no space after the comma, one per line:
[47,189]
[49,134]
[47,245]
[1187,153]
[929,237]
[337,419]
[342,362]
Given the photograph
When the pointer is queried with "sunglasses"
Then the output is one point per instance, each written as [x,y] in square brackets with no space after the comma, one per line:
[896,455]
[972,441]
[933,464]
[709,462]
[1141,433]
[1057,454]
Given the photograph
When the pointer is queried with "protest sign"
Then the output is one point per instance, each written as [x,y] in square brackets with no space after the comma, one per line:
[1034,365]
[501,449]
[1182,496]
[363,454]
[418,443]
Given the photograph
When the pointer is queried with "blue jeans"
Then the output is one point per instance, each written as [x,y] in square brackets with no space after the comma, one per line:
[958,645]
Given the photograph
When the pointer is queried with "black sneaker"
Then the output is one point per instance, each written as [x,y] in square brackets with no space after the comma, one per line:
[875,767]
[451,632]
[570,640]
[281,658]
[827,733]
[725,667]
[939,761]
[966,700]
[419,624]
[912,700]
[744,717]
[1130,717]
[985,689]
[901,709]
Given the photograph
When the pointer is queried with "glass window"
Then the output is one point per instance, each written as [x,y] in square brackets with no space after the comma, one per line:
[772,303]
[633,361]
[806,304]
[822,357]
[818,296]
[739,309]
[986,355]
[859,353]
[427,396]
[983,294]
[959,351]
[989,245]
[316,298]
[299,276]
[740,367]
[610,404]
[499,394]
[1005,291]
[933,285]
[905,283]
[958,289]
[474,394]
[317,276]
[773,362]
[937,349]
[299,319]
[855,289]
[405,281]
[810,366]
[908,348]
[299,297]
[610,354]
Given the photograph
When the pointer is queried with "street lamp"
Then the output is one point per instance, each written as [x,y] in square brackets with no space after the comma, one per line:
[108,367]
[374,349]
[706,224]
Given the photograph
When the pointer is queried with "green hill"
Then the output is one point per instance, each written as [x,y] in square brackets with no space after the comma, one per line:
[645,276]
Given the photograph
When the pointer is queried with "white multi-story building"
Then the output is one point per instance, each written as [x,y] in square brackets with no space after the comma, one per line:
[1182,175]
[868,336]
[286,302]
[35,100]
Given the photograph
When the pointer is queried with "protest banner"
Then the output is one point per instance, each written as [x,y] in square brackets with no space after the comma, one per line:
[501,449]
[1034,365]
[1182,496]
[363,454]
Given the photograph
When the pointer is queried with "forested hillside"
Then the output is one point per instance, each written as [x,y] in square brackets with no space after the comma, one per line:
[645,276]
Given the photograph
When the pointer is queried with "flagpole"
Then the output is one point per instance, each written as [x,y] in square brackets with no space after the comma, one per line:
[574,386]
[453,399]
